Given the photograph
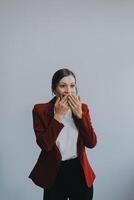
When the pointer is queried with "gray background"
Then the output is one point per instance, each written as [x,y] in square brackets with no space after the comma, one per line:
[95,39]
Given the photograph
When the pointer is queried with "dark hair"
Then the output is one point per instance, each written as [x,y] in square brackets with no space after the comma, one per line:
[58,75]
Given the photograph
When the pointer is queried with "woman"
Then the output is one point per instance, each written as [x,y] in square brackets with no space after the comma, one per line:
[63,129]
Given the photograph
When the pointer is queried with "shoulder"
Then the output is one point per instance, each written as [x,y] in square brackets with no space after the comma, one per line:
[41,107]
[84,106]
[45,107]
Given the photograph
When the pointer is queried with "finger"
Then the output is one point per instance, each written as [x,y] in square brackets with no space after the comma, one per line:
[79,98]
[64,99]
[73,99]
[57,100]
[65,102]
[71,105]
[72,102]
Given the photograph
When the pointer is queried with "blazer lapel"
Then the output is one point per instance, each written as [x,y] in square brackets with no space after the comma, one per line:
[50,111]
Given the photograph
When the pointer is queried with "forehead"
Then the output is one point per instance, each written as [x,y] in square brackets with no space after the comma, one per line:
[67,79]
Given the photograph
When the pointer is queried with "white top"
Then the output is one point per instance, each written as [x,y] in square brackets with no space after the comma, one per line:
[67,139]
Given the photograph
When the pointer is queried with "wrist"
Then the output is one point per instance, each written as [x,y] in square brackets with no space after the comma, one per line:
[79,116]
[58,117]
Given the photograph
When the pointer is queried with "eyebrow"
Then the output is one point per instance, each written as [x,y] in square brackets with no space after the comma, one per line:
[66,84]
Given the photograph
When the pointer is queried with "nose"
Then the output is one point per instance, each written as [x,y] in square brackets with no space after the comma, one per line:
[68,90]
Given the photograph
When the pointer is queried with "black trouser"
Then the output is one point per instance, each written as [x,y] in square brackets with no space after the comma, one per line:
[70,183]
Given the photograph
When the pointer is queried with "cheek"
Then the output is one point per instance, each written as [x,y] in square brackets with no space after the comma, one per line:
[60,90]
[74,90]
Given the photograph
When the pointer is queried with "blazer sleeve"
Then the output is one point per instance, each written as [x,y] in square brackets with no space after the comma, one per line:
[86,129]
[45,136]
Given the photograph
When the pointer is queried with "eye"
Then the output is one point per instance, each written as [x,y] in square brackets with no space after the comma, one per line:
[62,85]
[72,85]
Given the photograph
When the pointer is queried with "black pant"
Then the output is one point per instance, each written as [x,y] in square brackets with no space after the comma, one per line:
[70,183]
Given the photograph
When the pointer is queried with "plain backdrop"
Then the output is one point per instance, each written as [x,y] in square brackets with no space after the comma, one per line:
[95,39]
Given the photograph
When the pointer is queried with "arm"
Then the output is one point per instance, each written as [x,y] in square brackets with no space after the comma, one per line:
[45,136]
[86,129]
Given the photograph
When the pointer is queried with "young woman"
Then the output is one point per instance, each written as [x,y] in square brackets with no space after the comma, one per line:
[63,129]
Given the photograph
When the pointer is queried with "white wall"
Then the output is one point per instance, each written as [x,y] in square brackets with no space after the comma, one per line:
[94,38]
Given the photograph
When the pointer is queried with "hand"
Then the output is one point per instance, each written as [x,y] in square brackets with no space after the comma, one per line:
[75,105]
[61,106]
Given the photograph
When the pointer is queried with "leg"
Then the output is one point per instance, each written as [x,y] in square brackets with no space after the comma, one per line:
[82,194]
[53,195]
[58,190]
[78,187]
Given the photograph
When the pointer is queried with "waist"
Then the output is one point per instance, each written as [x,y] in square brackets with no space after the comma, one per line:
[72,160]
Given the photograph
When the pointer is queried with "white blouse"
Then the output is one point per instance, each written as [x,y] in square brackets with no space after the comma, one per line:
[67,139]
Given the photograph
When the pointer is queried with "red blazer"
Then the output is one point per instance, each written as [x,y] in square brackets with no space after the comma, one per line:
[47,129]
